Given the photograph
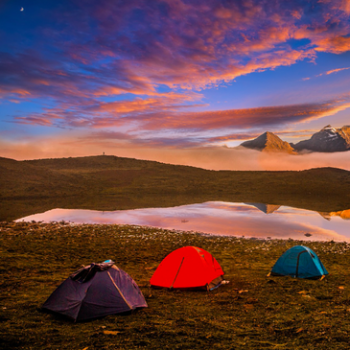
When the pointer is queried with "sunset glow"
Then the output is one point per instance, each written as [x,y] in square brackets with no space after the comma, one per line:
[178,81]
[218,218]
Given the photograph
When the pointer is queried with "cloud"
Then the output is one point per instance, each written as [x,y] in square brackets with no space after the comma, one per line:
[161,102]
[334,44]
[260,118]
[227,138]
[43,119]
[307,161]
[159,115]
[234,137]
[97,114]
[336,70]
[150,141]
[139,68]
[192,45]
[215,158]
[340,5]
[136,47]
[328,72]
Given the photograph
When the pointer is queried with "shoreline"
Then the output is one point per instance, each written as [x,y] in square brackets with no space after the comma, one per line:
[114,183]
[60,224]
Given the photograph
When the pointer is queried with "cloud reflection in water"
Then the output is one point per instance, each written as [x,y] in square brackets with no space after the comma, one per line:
[219,218]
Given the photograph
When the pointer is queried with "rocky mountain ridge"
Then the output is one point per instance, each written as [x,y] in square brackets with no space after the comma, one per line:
[269,142]
[328,139]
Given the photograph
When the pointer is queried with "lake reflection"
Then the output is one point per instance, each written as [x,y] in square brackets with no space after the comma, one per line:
[221,218]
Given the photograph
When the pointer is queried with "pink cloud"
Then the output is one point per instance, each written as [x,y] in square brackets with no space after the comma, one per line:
[159,114]
[240,118]
[180,44]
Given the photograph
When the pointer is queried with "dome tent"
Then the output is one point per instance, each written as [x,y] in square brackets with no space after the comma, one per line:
[188,267]
[299,262]
[94,291]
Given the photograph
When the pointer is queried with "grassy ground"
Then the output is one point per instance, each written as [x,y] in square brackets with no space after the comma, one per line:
[111,183]
[252,312]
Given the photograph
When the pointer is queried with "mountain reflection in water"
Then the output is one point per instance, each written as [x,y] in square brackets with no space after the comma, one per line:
[220,218]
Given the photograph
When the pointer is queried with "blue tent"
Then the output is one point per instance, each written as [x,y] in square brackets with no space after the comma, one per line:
[300,262]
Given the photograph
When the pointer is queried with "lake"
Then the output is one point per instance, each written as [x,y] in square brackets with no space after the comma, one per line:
[251,220]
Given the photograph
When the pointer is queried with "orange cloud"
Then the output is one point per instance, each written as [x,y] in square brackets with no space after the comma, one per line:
[342,5]
[329,72]
[166,114]
[336,44]
[164,101]
[135,106]
[336,70]
[240,118]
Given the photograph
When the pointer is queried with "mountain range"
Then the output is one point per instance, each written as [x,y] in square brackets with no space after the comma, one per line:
[328,139]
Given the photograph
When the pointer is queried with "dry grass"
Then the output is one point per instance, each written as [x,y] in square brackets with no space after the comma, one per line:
[252,312]
[111,183]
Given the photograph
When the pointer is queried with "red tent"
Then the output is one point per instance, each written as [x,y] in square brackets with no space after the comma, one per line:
[188,267]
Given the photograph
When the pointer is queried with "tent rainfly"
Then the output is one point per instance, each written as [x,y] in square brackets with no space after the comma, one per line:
[94,291]
[188,267]
[299,262]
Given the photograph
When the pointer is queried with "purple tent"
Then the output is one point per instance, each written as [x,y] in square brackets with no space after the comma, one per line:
[94,291]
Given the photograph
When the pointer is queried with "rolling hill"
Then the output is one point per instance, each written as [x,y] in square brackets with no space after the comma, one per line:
[111,183]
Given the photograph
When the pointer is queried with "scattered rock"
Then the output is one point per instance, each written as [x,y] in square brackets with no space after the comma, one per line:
[110,332]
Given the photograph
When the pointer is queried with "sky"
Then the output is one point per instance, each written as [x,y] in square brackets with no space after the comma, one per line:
[177,81]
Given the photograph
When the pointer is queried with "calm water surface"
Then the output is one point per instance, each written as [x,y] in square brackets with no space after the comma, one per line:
[221,218]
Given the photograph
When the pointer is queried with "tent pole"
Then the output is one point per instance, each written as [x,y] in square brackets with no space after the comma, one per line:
[297,269]
[120,292]
[177,273]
